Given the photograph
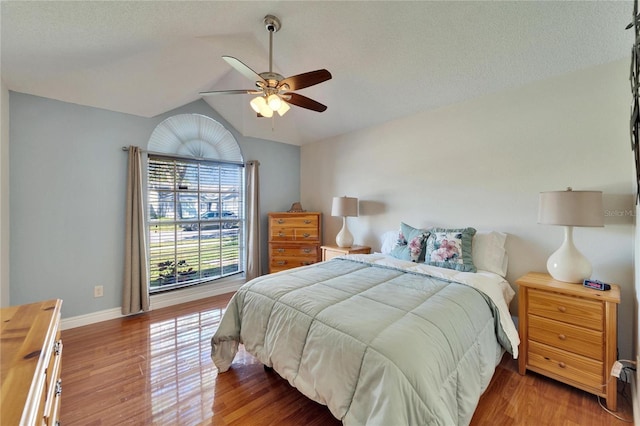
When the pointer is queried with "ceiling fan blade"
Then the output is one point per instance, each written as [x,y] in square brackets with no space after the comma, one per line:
[243,69]
[306,79]
[231,92]
[304,102]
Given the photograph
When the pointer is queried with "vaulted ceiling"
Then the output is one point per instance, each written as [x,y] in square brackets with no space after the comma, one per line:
[388,59]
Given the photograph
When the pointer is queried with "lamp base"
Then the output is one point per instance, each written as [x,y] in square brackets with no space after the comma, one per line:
[567,264]
[344,237]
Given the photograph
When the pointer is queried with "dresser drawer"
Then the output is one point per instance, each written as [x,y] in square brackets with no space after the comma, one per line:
[572,338]
[282,263]
[301,221]
[585,371]
[298,250]
[294,234]
[572,310]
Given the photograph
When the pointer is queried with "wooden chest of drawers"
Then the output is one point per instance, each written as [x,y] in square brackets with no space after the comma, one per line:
[294,240]
[31,363]
[568,333]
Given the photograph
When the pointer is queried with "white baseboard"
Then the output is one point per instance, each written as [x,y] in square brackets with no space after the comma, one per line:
[162,300]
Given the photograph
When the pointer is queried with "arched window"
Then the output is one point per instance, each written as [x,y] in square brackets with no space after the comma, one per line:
[195,193]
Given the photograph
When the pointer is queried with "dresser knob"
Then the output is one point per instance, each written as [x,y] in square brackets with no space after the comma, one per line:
[307,250]
[562,364]
[562,337]
[282,262]
[562,309]
[306,235]
[280,234]
[307,222]
[280,221]
[280,250]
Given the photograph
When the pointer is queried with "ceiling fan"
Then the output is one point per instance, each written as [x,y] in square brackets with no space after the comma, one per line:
[275,92]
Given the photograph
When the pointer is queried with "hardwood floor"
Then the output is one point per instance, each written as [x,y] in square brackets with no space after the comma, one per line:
[155,368]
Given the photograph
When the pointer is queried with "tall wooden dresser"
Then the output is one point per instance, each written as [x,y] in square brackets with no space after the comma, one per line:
[294,240]
[30,363]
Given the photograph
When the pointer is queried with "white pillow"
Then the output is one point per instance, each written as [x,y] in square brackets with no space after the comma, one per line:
[488,253]
[389,240]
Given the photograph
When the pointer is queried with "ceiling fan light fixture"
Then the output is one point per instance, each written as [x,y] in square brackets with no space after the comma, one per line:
[283,108]
[266,111]
[274,102]
[258,104]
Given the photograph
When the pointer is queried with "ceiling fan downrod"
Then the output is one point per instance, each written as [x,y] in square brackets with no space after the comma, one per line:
[272,23]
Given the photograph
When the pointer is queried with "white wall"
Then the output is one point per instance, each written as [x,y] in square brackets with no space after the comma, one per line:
[482,163]
[4,195]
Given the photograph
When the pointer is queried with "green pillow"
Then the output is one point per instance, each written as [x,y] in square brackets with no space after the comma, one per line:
[451,248]
[411,243]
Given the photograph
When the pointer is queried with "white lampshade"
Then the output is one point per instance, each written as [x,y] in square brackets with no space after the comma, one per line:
[570,208]
[283,108]
[274,102]
[258,103]
[344,206]
[266,111]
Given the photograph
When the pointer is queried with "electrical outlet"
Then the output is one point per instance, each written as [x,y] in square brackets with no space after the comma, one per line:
[98,291]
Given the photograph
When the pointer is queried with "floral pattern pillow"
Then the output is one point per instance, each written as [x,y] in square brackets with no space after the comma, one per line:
[451,248]
[411,243]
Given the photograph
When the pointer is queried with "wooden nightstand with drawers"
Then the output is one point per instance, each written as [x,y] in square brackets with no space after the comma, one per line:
[568,332]
[329,252]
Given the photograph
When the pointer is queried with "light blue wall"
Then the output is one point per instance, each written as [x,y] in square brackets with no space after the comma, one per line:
[67,195]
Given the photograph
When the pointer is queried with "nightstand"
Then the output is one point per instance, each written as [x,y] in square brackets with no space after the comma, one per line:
[568,332]
[329,252]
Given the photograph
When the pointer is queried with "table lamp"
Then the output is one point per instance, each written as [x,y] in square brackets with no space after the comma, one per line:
[570,208]
[344,206]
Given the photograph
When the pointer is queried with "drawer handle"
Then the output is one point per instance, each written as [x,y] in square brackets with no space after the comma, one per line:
[307,221]
[280,234]
[58,387]
[280,221]
[562,364]
[306,235]
[562,337]
[57,347]
[562,309]
[282,262]
[280,250]
[307,250]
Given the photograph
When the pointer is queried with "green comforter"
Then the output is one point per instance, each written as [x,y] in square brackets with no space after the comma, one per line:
[377,345]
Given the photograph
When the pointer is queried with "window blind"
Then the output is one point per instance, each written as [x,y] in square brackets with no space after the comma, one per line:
[195,221]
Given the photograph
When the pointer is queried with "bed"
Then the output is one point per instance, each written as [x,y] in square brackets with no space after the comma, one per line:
[377,339]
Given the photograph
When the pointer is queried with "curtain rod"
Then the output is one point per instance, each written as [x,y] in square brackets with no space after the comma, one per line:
[186,157]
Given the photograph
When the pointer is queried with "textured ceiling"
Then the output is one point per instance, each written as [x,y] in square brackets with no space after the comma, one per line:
[388,59]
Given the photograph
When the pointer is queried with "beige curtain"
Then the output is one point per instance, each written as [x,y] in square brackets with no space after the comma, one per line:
[135,293]
[254,267]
